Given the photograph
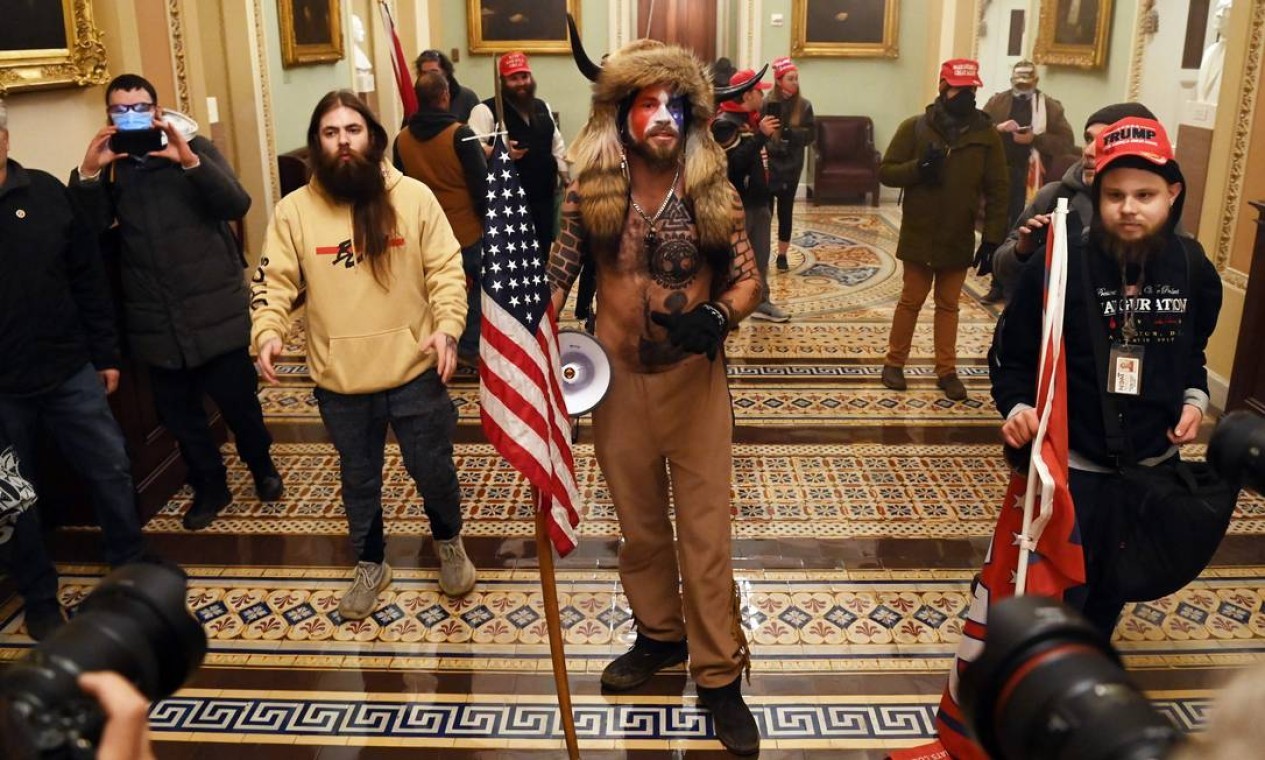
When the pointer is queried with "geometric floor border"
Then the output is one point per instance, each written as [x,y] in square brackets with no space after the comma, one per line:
[429,720]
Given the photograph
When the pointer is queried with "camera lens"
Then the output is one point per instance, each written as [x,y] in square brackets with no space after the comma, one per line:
[1047,687]
[1235,450]
[135,623]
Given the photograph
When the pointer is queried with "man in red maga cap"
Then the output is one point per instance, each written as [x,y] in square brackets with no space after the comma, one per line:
[1154,298]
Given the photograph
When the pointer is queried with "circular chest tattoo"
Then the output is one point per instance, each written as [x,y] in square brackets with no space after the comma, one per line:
[674,263]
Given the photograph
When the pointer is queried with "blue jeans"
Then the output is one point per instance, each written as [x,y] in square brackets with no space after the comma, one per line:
[424,420]
[78,417]
[471,262]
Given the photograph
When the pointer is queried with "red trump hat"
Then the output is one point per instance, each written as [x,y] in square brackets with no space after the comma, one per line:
[960,72]
[512,63]
[1140,138]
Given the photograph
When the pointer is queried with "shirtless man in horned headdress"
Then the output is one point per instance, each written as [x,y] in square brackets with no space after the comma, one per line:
[652,207]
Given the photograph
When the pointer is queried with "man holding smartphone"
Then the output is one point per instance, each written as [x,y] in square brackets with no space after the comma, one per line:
[184,292]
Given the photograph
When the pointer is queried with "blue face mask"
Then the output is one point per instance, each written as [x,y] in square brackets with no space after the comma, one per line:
[130,120]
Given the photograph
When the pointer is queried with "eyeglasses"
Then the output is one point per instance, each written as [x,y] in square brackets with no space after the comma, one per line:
[122,108]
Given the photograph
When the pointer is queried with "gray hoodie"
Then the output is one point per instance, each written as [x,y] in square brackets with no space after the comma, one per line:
[1007,261]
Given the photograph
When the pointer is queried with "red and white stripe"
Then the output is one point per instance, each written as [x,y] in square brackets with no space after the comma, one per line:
[524,416]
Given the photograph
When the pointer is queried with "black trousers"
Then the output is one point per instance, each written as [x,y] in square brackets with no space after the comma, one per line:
[1097,496]
[783,203]
[230,380]
[542,218]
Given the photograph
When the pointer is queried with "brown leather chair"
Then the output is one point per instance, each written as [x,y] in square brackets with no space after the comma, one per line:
[845,163]
[293,170]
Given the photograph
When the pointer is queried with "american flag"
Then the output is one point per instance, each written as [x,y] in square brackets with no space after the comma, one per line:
[1050,561]
[521,392]
[399,67]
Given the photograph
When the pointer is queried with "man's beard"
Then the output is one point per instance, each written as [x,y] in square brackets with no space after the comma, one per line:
[520,97]
[659,156]
[1129,252]
[355,180]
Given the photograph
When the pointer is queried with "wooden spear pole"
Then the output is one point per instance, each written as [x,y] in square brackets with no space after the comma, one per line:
[553,622]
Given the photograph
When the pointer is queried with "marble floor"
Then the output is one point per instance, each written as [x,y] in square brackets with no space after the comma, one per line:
[860,516]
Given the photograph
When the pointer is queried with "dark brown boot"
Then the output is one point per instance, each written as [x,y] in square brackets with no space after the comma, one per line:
[894,377]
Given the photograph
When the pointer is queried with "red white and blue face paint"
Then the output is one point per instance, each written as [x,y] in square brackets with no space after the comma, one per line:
[656,113]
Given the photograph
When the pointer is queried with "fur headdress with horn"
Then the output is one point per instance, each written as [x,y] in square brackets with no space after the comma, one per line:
[598,149]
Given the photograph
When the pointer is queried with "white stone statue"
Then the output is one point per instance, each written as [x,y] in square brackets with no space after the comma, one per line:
[364,67]
[1208,85]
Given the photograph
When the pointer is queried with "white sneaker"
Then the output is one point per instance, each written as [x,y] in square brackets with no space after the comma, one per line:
[456,571]
[360,599]
[770,313]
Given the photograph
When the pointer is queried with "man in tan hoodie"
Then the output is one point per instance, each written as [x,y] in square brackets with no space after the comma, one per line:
[386,303]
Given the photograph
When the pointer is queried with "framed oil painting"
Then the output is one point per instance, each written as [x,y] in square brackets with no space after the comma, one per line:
[1073,33]
[50,43]
[311,31]
[532,26]
[845,28]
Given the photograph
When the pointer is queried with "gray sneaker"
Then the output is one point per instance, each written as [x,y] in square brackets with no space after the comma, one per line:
[770,313]
[456,571]
[360,599]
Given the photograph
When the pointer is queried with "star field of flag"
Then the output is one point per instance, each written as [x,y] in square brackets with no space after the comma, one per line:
[513,265]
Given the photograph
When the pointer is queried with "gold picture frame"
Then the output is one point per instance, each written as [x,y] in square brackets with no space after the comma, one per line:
[845,28]
[1073,33]
[57,44]
[311,31]
[538,26]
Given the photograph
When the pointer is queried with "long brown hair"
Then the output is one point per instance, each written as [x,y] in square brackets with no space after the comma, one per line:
[373,218]
[795,104]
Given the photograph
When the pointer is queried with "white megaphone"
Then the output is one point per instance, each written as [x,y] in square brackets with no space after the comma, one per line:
[586,371]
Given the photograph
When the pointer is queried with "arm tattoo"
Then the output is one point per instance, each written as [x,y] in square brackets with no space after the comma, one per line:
[743,286]
[568,249]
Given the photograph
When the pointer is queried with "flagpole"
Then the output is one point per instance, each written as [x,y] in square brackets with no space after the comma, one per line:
[1058,224]
[553,622]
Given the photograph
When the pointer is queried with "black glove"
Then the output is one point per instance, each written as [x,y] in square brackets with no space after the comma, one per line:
[984,258]
[700,330]
[931,164]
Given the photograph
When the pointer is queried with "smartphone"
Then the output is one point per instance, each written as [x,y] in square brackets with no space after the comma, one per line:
[1024,129]
[773,109]
[136,142]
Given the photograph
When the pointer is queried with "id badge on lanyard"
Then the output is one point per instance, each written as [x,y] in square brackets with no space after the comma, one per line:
[1124,365]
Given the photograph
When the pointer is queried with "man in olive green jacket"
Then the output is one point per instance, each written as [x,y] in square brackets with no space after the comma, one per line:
[945,160]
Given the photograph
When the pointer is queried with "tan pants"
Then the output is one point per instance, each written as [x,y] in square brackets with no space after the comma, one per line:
[948,290]
[675,428]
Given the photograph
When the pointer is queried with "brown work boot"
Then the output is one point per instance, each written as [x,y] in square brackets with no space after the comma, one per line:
[735,725]
[952,387]
[647,657]
[894,377]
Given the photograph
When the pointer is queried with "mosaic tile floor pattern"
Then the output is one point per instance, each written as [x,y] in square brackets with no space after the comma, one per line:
[825,492]
[797,622]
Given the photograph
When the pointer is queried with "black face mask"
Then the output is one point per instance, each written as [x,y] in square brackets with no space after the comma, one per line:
[962,104]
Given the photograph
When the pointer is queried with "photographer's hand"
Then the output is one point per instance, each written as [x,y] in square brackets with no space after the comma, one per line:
[126,734]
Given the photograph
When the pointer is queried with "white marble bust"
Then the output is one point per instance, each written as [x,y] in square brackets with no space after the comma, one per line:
[364,67]
[1208,85]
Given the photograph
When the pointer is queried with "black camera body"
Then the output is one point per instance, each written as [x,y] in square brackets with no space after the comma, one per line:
[135,623]
[1048,685]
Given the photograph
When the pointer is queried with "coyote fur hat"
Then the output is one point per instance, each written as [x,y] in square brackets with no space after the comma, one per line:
[598,150]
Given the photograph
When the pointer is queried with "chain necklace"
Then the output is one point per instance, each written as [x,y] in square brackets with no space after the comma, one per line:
[651,240]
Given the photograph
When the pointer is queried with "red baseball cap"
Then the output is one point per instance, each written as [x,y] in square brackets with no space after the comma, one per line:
[1142,138]
[746,75]
[960,72]
[783,66]
[512,63]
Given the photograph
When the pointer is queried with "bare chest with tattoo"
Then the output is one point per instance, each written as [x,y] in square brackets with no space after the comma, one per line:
[664,271]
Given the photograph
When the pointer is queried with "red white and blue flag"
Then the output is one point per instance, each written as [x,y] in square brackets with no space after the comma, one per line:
[399,65]
[524,415]
[1036,546]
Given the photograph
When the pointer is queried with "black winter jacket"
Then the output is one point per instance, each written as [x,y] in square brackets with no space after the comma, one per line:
[745,152]
[1176,312]
[184,289]
[55,309]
